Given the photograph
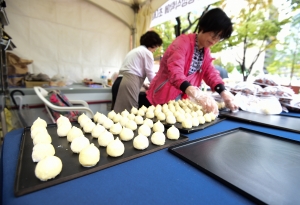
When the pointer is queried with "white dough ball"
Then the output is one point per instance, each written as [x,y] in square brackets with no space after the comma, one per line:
[140,142]
[139,120]
[131,125]
[161,116]
[42,137]
[96,116]
[173,133]
[73,133]
[141,112]
[79,143]
[85,121]
[116,129]
[158,127]
[126,134]
[158,138]
[150,114]
[111,114]
[134,110]
[148,122]
[199,113]
[89,156]
[63,129]
[201,120]
[124,113]
[81,117]
[39,123]
[105,138]
[157,112]
[131,116]
[101,119]
[42,150]
[187,123]
[98,129]
[88,127]
[144,130]
[108,123]
[213,116]
[171,119]
[115,148]
[48,168]
[180,118]
[117,118]
[144,108]
[37,130]
[207,117]
[195,121]
[123,121]
[62,119]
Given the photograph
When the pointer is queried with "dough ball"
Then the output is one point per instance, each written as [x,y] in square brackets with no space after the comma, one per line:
[37,130]
[207,117]
[157,112]
[158,127]
[151,107]
[123,121]
[79,143]
[105,138]
[62,119]
[117,118]
[131,125]
[140,142]
[39,123]
[144,130]
[188,115]
[141,112]
[161,116]
[158,138]
[89,156]
[199,113]
[85,121]
[213,116]
[173,133]
[115,148]
[116,129]
[96,116]
[63,129]
[124,113]
[108,123]
[180,118]
[41,151]
[195,121]
[187,123]
[194,114]
[42,137]
[201,120]
[144,108]
[150,114]
[148,122]
[88,127]
[111,114]
[134,110]
[158,107]
[98,129]
[171,119]
[48,168]
[81,117]
[139,120]
[73,133]
[165,107]
[131,116]
[101,119]
[126,134]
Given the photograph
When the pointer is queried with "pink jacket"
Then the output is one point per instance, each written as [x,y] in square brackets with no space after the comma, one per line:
[174,68]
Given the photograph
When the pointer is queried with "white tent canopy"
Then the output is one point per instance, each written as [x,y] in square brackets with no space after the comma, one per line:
[73,38]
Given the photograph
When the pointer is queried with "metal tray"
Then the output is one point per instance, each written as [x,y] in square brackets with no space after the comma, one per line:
[289,123]
[261,166]
[26,181]
[193,129]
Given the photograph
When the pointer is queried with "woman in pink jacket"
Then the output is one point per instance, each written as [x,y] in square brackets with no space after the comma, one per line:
[188,61]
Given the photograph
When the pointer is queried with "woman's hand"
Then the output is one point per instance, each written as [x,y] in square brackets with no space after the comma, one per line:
[229,100]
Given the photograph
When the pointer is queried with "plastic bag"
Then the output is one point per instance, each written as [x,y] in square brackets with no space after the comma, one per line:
[206,101]
[261,105]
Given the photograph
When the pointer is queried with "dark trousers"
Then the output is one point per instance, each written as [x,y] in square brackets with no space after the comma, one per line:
[115,88]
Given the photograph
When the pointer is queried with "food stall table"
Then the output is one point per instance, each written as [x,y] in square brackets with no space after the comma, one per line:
[156,178]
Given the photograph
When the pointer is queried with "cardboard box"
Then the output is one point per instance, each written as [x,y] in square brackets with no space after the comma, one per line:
[31,84]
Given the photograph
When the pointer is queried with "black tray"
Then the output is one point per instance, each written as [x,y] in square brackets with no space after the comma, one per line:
[193,129]
[26,181]
[289,123]
[264,167]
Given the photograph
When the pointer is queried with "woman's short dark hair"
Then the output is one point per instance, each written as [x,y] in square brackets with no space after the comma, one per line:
[150,39]
[216,20]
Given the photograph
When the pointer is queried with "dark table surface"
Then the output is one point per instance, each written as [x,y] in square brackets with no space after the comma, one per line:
[157,178]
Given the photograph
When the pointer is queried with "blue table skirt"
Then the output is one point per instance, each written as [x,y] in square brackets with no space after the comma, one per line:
[157,178]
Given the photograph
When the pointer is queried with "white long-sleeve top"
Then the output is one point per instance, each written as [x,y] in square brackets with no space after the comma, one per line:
[139,61]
